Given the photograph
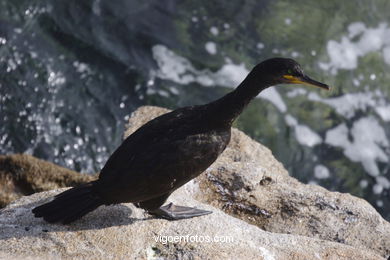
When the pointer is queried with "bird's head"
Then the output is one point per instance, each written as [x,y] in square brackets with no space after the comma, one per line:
[286,71]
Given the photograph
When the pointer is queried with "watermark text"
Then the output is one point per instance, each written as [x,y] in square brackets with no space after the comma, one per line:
[165,239]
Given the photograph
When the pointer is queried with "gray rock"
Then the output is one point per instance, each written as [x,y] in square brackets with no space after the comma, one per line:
[267,213]
[126,232]
[247,182]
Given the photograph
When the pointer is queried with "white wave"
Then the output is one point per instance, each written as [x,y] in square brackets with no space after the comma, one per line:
[367,145]
[321,172]
[180,70]
[383,112]
[211,48]
[359,41]
[303,134]
[347,104]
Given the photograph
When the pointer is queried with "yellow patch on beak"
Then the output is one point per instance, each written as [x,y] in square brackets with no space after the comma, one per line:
[305,80]
[293,80]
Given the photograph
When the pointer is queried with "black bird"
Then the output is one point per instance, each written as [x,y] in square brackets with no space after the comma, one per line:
[169,151]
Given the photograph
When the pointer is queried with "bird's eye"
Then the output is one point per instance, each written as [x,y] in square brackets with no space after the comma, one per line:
[289,72]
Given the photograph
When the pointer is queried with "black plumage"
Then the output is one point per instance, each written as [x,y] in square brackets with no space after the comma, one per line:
[169,151]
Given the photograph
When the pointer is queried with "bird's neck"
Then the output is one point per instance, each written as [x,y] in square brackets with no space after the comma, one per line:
[226,109]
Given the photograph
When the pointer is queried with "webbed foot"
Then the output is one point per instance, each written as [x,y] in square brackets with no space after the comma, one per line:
[174,212]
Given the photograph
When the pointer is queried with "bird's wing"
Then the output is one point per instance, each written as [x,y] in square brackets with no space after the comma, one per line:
[168,127]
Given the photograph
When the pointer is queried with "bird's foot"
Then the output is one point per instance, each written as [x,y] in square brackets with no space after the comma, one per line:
[174,212]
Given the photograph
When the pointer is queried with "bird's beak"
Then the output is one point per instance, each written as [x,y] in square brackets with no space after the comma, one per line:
[305,80]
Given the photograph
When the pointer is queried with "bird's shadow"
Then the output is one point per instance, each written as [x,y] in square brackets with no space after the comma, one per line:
[19,221]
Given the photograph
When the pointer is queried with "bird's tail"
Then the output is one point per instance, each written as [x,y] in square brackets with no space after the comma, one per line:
[70,205]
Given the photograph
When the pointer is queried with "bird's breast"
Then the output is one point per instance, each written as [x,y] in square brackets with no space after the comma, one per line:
[199,151]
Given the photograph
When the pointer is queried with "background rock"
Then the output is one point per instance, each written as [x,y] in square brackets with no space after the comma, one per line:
[247,182]
[124,231]
[22,174]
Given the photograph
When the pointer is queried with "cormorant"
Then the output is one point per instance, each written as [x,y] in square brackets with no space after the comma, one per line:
[169,151]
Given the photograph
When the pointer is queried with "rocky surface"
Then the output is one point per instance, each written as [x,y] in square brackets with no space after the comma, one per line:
[247,182]
[126,232]
[267,213]
[244,185]
[22,174]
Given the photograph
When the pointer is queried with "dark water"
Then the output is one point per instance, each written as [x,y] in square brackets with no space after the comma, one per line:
[71,73]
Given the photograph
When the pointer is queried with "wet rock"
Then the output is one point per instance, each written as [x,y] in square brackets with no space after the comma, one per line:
[22,174]
[247,182]
[126,232]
